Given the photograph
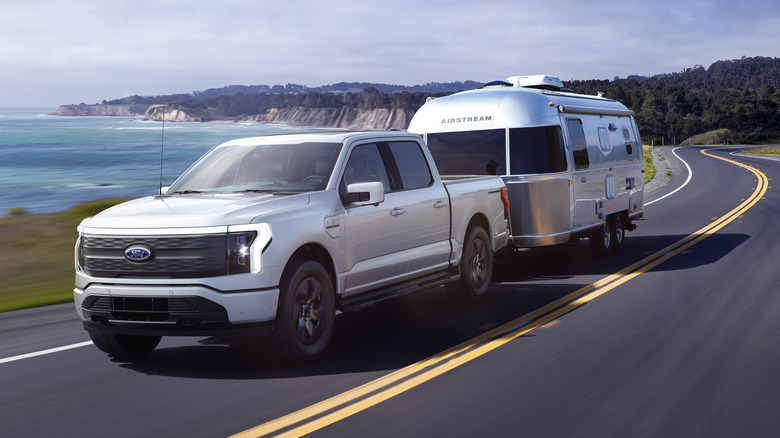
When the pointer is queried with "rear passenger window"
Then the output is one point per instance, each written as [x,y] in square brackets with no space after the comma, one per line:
[412,165]
[579,145]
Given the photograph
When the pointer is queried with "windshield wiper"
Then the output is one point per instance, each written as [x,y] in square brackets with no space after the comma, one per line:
[275,192]
[185,192]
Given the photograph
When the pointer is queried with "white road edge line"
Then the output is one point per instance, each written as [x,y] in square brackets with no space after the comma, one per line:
[44,352]
[690,175]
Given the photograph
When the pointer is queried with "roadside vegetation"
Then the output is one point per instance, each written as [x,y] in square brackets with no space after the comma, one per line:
[36,263]
[769,150]
[649,166]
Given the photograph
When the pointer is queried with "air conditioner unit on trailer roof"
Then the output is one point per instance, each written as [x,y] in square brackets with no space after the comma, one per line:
[537,81]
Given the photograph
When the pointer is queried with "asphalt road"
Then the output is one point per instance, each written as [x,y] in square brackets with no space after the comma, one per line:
[676,335]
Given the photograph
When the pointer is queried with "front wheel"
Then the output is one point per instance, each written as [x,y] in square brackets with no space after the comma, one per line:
[601,239]
[124,346]
[306,312]
[476,266]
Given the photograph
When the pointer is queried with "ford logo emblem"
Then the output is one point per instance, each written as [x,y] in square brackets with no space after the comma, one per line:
[138,253]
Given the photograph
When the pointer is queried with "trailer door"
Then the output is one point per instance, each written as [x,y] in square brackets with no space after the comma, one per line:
[584,193]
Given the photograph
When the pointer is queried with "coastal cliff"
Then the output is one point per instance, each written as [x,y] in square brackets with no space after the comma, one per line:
[159,113]
[101,110]
[342,118]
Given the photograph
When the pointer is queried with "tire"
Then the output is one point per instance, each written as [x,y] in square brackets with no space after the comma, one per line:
[476,266]
[601,239]
[618,230]
[306,313]
[124,346]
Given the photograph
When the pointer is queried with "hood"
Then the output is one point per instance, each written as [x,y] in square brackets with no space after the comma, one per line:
[195,210]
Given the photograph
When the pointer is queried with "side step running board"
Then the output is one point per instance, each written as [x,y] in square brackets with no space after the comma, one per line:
[363,301]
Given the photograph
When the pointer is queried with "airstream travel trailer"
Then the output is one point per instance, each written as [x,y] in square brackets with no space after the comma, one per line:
[573,163]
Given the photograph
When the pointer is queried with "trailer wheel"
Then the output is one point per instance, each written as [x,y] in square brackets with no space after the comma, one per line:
[618,230]
[305,314]
[476,266]
[601,239]
[124,346]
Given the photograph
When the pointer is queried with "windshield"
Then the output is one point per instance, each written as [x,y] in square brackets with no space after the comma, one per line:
[286,167]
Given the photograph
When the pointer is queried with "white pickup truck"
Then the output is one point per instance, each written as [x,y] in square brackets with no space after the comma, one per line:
[273,235]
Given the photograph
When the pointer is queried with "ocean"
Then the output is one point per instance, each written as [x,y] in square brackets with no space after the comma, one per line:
[52,163]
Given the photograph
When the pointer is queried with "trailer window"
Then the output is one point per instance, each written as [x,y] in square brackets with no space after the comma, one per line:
[469,152]
[579,146]
[536,150]
[606,145]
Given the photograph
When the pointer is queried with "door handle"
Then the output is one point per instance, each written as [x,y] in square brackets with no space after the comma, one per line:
[397,211]
[440,204]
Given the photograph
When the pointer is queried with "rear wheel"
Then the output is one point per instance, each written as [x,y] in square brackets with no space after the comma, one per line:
[306,312]
[618,231]
[476,266]
[124,346]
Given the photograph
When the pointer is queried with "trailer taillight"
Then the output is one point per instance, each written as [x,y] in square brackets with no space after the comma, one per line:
[505,200]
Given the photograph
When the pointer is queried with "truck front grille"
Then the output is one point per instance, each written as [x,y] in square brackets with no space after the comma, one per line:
[172,256]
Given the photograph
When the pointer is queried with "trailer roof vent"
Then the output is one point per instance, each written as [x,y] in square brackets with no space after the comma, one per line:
[543,82]
[497,84]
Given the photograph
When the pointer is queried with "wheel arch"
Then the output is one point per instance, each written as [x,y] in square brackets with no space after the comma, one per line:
[316,253]
[479,220]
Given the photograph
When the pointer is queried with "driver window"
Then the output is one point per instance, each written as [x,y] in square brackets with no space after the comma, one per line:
[365,165]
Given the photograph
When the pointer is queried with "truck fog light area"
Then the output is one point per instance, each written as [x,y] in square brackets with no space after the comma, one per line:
[238,257]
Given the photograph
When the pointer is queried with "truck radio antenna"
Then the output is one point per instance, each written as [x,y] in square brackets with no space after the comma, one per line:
[162,147]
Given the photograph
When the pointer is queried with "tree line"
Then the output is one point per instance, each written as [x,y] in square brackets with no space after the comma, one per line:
[740,95]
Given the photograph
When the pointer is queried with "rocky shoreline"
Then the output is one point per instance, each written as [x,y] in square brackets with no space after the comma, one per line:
[341,118]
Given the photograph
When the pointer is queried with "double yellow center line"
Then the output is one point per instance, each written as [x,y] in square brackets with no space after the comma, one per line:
[334,409]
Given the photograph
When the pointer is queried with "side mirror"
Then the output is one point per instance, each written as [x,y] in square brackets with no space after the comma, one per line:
[366,193]
[164,190]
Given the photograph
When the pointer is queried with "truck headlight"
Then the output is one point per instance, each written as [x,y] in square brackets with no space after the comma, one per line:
[245,245]
[238,258]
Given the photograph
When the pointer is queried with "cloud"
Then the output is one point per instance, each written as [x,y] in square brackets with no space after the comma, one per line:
[54,52]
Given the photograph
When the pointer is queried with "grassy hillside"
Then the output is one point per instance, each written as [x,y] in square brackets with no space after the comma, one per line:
[36,263]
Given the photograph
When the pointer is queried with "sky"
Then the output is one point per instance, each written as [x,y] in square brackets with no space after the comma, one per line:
[69,52]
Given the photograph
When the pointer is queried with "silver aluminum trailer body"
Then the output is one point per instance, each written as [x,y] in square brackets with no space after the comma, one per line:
[573,163]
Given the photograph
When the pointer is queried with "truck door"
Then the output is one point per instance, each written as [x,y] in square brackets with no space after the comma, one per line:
[375,235]
[427,210]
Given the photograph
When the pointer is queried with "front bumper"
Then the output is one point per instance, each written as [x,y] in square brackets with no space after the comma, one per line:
[179,310]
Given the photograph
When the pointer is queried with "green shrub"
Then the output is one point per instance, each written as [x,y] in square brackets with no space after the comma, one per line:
[16,211]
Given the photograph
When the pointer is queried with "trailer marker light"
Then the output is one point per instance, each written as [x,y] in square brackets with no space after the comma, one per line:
[505,200]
